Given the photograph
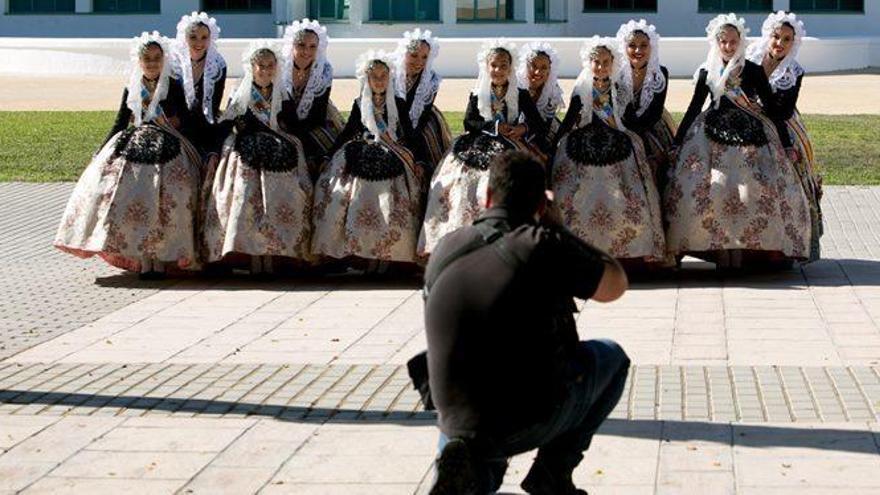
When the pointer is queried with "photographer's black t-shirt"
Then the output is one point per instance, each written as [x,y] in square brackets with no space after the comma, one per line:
[500,326]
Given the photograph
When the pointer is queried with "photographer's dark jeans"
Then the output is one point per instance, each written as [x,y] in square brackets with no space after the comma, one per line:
[562,439]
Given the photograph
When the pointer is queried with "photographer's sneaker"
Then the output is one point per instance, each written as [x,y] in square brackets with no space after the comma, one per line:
[543,479]
[456,471]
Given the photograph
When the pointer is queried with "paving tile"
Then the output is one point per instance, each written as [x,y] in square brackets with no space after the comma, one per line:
[17,474]
[228,480]
[133,465]
[15,429]
[280,487]
[172,439]
[59,441]
[102,486]
[404,441]
[827,471]
[341,468]
[677,482]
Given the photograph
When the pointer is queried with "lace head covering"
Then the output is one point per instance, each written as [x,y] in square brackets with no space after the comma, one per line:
[134,102]
[654,82]
[718,72]
[429,81]
[368,116]
[214,62]
[321,73]
[583,86]
[785,74]
[241,99]
[483,88]
[550,100]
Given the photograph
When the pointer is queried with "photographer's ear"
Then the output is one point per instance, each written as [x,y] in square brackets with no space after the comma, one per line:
[489,202]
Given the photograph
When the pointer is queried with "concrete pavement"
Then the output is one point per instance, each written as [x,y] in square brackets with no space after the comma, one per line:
[754,384]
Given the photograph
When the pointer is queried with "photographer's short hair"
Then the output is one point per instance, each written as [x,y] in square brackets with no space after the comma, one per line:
[517,183]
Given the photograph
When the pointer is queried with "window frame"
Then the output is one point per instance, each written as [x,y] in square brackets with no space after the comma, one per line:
[814,10]
[725,9]
[247,10]
[11,11]
[341,15]
[610,10]
[508,7]
[416,9]
[125,12]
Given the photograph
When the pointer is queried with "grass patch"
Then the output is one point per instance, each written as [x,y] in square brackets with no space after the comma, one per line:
[56,146]
[49,146]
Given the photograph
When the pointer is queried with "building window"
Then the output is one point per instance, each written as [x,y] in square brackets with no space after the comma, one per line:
[41,6]
[827,6]
[405,10]
[724,6]
[484,10]
[551,10]
[237,5]
[328,9]
[123,6]
[620,5]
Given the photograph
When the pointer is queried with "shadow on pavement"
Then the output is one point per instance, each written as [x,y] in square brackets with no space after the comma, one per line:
[822,273]
[198,282]
[813,436]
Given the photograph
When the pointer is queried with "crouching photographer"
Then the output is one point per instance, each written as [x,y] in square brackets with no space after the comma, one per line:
[506,369]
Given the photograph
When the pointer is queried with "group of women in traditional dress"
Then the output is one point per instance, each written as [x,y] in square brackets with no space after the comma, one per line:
[279,180]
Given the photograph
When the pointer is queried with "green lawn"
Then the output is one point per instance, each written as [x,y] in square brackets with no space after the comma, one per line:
[56,146]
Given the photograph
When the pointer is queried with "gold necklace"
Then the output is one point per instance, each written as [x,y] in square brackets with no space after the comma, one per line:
[265,92]
[499,91]
[603,85]
[411,80]
[151,84]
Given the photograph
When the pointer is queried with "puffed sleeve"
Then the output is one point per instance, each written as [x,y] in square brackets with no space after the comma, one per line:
[701,92]
[123,118]
[786,99]
[473,121]
[174,104]
[651,115]
[408,137]
[537,126]
[758,79]
[352,127]
[533,118]
[571,117]
[426,112]
[318,113]
[219,88]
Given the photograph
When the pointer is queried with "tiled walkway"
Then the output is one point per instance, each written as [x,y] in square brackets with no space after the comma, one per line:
[757,384]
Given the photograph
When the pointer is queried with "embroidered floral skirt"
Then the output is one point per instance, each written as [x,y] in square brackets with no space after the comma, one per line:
[260,201]
[607,196]
[726,196]
[368,203]
[457,193]
[811,181]
[137,200]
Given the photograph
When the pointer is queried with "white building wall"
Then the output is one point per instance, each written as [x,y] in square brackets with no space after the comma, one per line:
[673,18]
[95,56]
